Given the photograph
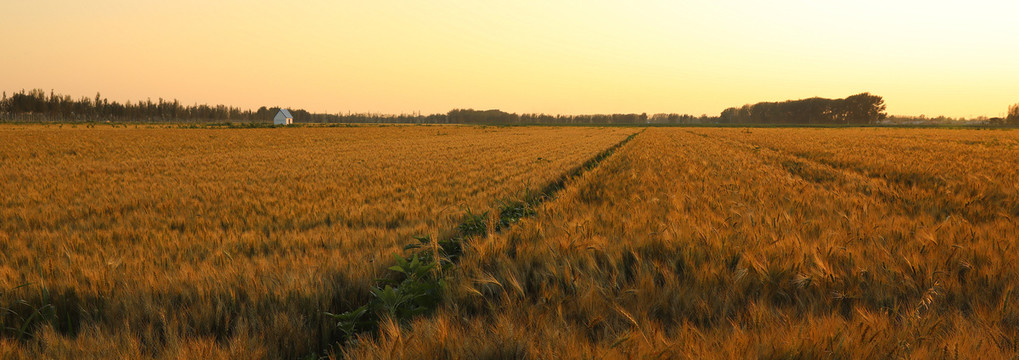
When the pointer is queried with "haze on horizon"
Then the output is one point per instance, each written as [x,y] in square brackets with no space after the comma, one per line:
[951,58]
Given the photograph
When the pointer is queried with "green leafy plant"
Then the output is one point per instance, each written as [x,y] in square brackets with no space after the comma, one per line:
[19,318]
[448,251]
[512,211]
[474,224]
[418,292]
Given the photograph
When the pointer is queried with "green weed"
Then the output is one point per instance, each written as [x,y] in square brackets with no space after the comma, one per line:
[19,318]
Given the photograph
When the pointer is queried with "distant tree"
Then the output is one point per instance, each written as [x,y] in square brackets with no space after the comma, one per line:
[1013,115]
[728,116]
[865,108]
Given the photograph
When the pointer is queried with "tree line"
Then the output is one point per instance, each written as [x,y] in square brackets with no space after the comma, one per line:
[471,116]
[857,109]
[37,105]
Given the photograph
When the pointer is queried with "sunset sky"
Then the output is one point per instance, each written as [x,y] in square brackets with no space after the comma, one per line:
[953,58]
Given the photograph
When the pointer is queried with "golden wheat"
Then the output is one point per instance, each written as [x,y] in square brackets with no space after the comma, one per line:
[762,243]
[685,243]
[159,238]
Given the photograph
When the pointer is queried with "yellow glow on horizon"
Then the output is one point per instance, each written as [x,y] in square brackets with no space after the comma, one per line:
[568,57]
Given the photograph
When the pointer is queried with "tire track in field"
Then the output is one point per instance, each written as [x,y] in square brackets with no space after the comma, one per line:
[900,194]
[904,191]
[809,171]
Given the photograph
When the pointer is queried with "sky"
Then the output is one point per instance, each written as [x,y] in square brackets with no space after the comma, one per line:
[952,58]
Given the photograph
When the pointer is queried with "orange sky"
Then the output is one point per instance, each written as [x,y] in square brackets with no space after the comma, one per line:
[573,57]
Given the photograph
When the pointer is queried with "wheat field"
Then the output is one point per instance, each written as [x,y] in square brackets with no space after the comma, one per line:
[758,243]
[150,238]
[682,243]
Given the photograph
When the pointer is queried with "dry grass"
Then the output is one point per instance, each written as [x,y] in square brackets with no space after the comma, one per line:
[772,243]
[170,243]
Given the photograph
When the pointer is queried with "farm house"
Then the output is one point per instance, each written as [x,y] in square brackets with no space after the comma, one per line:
[283,117]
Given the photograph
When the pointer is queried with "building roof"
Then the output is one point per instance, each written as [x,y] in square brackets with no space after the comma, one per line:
[285,112]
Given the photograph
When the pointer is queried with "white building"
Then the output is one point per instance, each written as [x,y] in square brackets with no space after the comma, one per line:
[283,117]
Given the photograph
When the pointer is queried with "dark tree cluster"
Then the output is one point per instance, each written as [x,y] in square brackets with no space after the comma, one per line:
[36,105]
[857,109]
[1013,115]
[471,116]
